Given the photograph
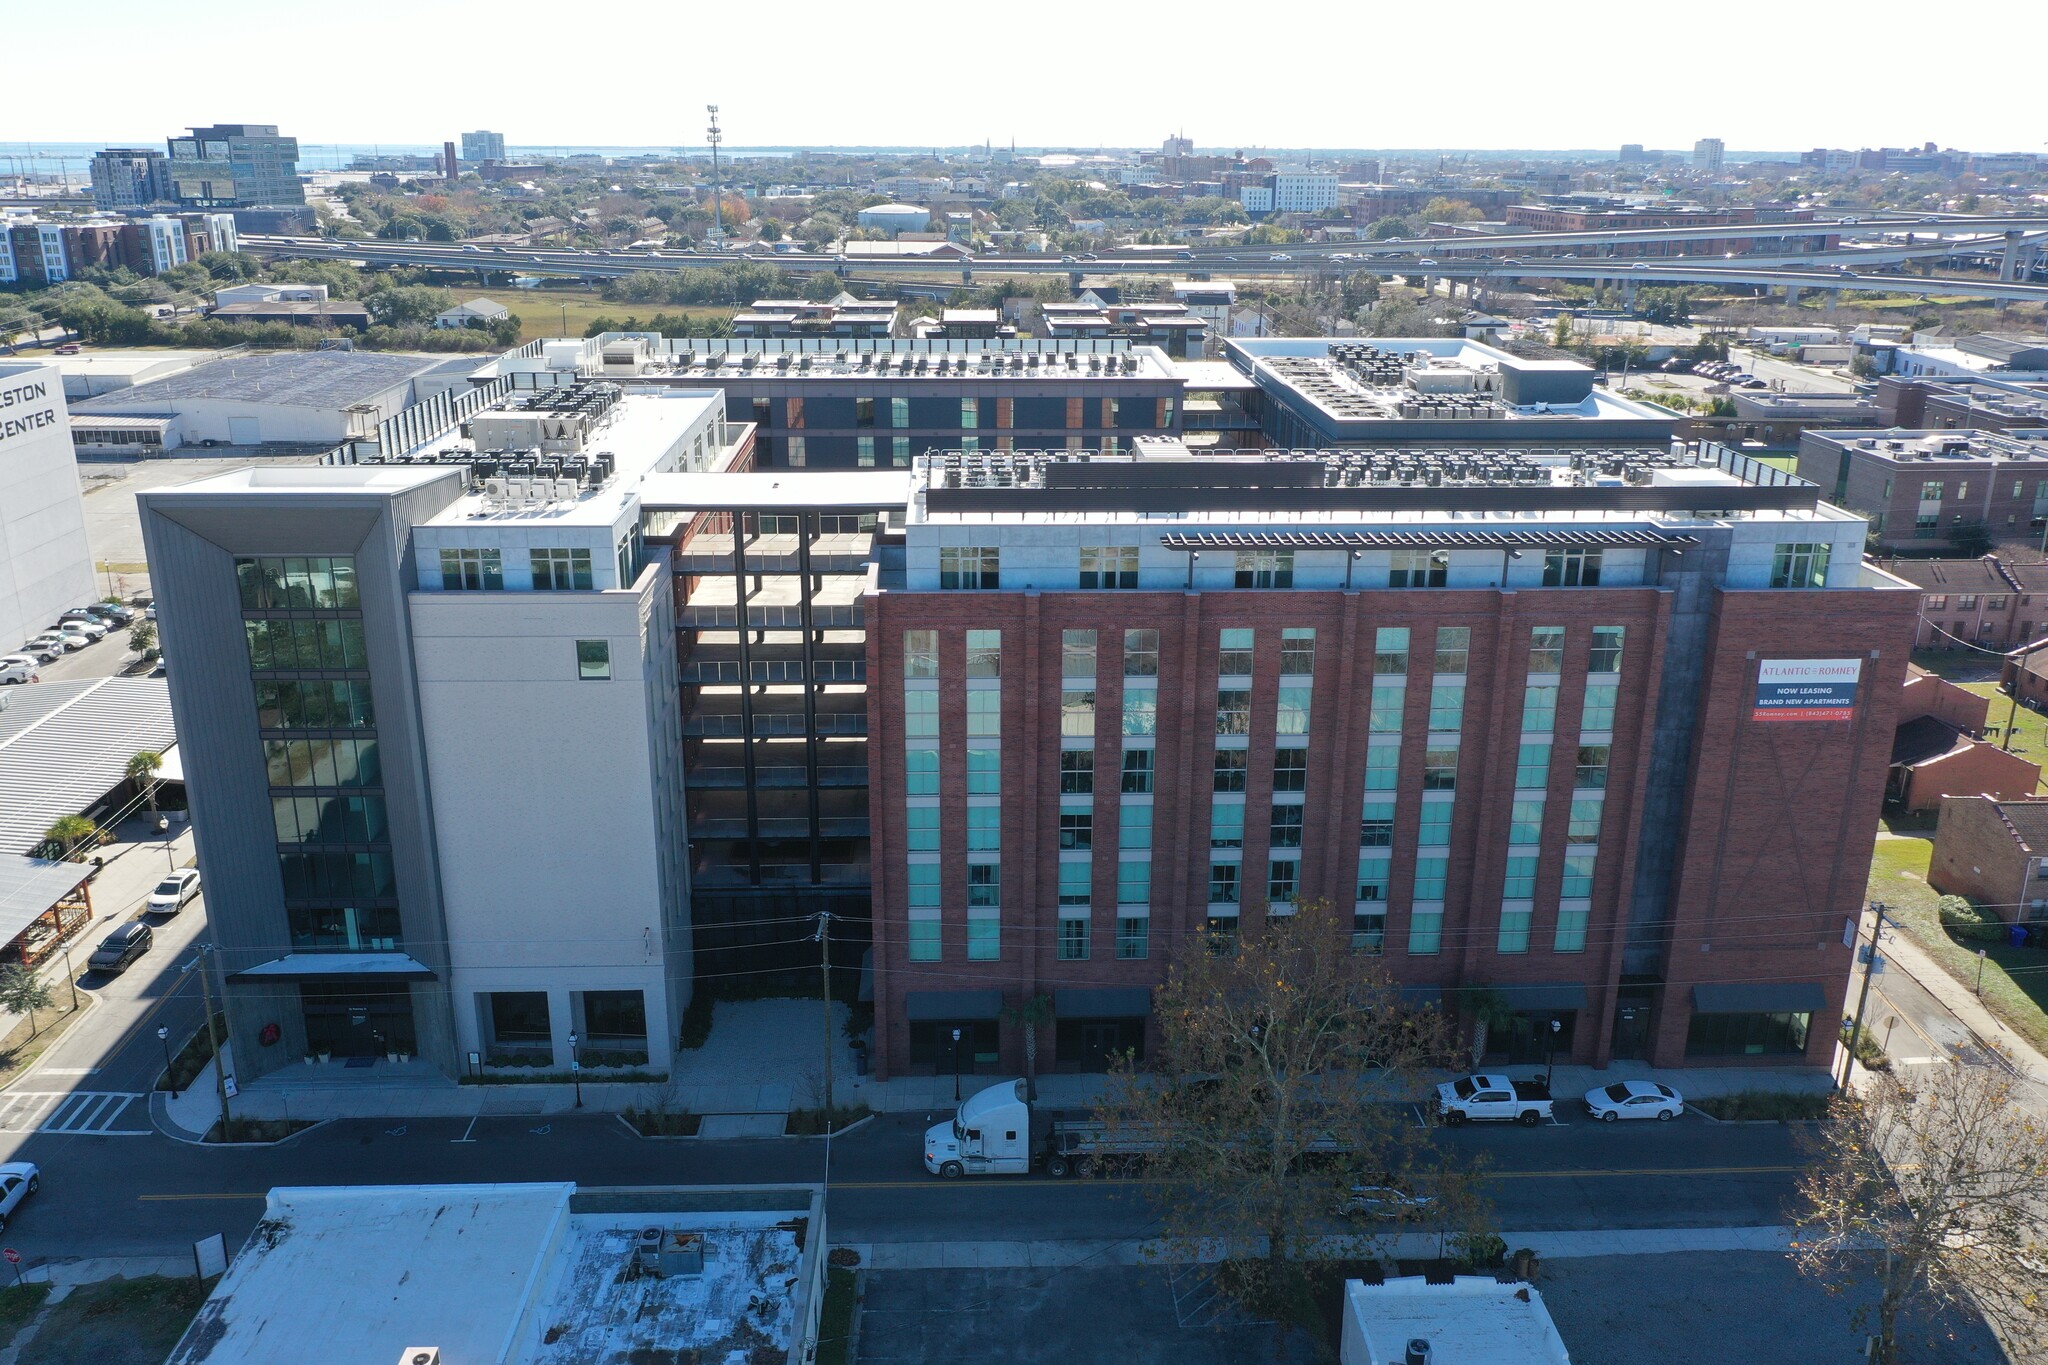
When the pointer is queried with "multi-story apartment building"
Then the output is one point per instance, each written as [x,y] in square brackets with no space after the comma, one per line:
[1536,722]
[39,251]
[1987,603]
[1923,489]
[483,145]
[431,719]
[842,317]
[129,178]
[235,165]
[2007,402]
[1707,155]
[1304,191]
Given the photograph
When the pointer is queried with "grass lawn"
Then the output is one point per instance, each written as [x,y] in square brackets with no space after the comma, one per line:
[18,1303]
[1788,464]
[541,312]
[118,1322]
[835,1321]
[1898,877]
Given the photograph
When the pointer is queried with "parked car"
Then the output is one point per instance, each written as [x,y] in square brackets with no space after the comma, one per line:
[17,668]
[112,611]
[1493,1096]
[41,650]
[173,892]
[121,947]
[62,641]
[1634,1100]
[82,616]
[1384,1202]
[18,1180]
[91,631]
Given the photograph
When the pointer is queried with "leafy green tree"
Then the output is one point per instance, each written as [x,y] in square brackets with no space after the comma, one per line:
[69,832]
[143,768]
[406,304]
[1386,229]
[23,992]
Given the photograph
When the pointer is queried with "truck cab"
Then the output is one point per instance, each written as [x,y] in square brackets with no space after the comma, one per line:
[990,1135]
[1484,1096]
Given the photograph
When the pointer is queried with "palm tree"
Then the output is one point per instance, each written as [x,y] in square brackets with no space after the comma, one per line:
[1030,1016]
[142,769]
[70,831]
[1488,1009]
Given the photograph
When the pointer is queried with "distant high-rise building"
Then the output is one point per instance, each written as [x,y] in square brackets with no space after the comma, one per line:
[1632,154]
[451,169]
[129,178]
[483,146]
[232,165]
[1177,146]
[1707,154]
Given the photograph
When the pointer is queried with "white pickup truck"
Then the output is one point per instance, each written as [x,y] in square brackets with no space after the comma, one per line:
[1490,1096]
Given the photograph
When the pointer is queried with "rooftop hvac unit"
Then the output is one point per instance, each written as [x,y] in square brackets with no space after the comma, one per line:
[420,1355]
[494,489]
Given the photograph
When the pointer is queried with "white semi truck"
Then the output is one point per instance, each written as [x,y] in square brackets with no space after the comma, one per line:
[999,1132]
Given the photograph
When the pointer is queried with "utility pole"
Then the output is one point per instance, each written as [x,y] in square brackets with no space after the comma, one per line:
[220,1070]
[1863,999]
[717,189]
[825,998]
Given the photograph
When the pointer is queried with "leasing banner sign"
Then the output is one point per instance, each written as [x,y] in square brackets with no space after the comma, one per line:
[1806,689]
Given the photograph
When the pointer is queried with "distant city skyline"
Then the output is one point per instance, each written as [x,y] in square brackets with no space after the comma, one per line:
[1565,76]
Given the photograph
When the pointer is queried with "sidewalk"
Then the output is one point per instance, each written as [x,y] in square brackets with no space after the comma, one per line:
[1960,1001]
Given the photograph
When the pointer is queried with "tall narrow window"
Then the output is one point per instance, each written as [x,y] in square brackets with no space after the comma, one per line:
[1291,717]
[985,772]
[1134,828]
[1234,653]
[1298,650]
[1290,770]
[1453,648]
[920,654]
[1141,654]
[1606,655]
[1286,827]
[1077,772]
[1230,770]
[1546,649]
[1419,569]
[1133,881]
[984,654]
[1109,566]
[921,772]
[1137,771]
[1226,824]
[1223,883]
[1539,710]
[1141,711]
[984,829]
[1390,650]
[1077,713]
[1077,654]
[1133,936]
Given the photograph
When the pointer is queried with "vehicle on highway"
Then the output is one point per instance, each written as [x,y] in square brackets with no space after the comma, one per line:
[1280,256]
[18,668]
[69,348]
[1634,1100]
[121,947]
[1492,1096]
[18,1180]
[173,893]
[1384,1202]
[92,631]
[1640,265]
[1425,261]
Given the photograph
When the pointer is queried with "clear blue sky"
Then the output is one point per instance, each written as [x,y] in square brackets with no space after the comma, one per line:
[1363,73]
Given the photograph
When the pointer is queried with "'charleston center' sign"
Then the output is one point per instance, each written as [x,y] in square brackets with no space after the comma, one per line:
[19,413]
[1806,689]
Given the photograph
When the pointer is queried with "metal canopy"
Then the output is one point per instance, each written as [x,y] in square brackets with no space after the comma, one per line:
[337,967]
[1456,540]
[923,1007]
[1103,1002]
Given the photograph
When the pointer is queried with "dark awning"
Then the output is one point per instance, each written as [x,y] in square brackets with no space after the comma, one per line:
[1115,1002]
[294,967]
[1760,997]
[927,1006]
[1528,997]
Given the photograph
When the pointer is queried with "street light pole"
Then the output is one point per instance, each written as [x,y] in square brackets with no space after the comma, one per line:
[163,1037]
[1550,1054]
[576,1070]
[956,1066]
[825,999]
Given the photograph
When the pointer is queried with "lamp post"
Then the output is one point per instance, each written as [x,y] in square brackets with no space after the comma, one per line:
[576,1070]
[1550,1054]
[956,1066]
[163,1037]
[163,827]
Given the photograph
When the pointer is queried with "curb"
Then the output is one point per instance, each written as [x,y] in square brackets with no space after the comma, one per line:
[698,1136]
[166,1128]
[94,1003]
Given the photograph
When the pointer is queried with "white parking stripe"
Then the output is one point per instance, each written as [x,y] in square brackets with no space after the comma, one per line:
[87,1112]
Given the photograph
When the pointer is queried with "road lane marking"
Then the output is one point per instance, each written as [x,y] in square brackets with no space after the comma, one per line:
[88,1113]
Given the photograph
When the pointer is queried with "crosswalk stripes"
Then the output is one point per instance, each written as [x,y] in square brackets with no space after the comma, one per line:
[91,1113]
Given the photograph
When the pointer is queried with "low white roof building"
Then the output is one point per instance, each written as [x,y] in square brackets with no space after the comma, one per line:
[471,310]
[1473,1318]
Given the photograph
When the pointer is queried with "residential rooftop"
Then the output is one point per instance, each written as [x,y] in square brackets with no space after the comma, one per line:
[841,357]
[1930,445]
[307,379]
[1473,1318]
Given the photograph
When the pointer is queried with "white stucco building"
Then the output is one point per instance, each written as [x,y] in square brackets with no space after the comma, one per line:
[45,560]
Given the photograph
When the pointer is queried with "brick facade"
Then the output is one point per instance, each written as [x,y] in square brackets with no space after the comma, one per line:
[1979,852]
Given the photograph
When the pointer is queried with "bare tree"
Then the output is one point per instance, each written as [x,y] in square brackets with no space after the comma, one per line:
[1271,1096]
[1937,1193]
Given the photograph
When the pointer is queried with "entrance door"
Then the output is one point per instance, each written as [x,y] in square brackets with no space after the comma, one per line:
[352,1021]
[1098,1041]
[1530,1039]
[1631,1030]
[1092,1044]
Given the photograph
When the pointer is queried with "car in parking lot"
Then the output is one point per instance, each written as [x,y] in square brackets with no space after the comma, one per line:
[121,947]
[173,892]
[17,668]
[1384,1202]
[1634,1100]
[91,632]
[111,611]
[18,1180]
[83,616]
[55,642]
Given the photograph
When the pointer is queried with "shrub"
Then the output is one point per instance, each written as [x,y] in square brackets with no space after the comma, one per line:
[1966,922]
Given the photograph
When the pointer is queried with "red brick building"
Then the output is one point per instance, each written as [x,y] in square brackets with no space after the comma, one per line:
[1996,853]
[1563,763]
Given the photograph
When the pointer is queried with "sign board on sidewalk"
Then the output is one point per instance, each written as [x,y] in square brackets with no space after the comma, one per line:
[229,1082]
[1806,689]
[210,1256]
[13,1256]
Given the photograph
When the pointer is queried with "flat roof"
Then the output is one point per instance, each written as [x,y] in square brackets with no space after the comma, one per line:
[849,489]
[30,886]
[1473,1318]
[301,379]
[64,745]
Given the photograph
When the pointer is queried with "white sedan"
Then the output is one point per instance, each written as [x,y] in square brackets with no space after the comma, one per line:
[173,892]
[1634,1100]
[18,1180]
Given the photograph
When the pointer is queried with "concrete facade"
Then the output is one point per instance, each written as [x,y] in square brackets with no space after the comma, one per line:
[45,559]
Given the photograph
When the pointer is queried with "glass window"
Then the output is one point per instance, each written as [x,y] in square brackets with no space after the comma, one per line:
[1234,653]
[1419,569]
[1546,649]
[1074,882]
[1520,881]
[970,566]
[1578,876]
[1591,772]
[1141,711]
[924,885]
[921,713]
[796,451]
[1385,715]
[471,571]
[1109,566]
[1133,881]
[1265,568]
[1077,654]
[984,654]
[984,938]
[1585,822]
[1374,878]
[924,940]
[1799,565]
[1532,765]
[1230,770]
[920,654]
[1290,770]
[984,772]
[1599,710]
[899,451]
[1137,772]
[1446,706]
[921,829]
[1221,935]
[1571,567]
[899,413]
[1376,825]
[1390,650]
[1433,827]
[984,712]
[1382,767]
[1525,823]
[1539,710]
[1514,930]
[1606,654]
[1077,771]
[1283,878]
[560,570]
[1298,650]
[1077,829]
[921,772]
[1453,648]
[864,447]
[1234,712]
[1134,827]
[1747,1035]
[1074,939]
[1141,654]
[1223,883]
[984,885]
[1369,932]
[1133,936]
[1571,929]
[1430,876]
[984,829]
[1287,825]
[1226,824]
[594,660]
[1440,770]
[1077,714]
[970,413]
[1292,716]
